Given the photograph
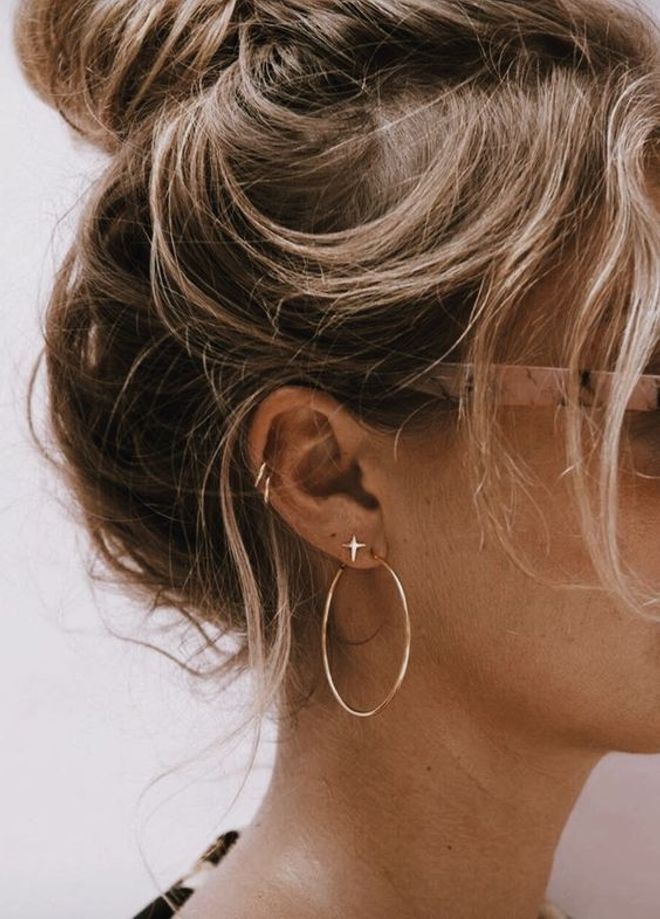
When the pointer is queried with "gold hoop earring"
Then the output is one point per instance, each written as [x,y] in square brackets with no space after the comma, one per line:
[324,637]
[262,469]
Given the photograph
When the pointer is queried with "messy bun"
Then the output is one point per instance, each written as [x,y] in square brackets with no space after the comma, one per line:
[108,66]
[335,194]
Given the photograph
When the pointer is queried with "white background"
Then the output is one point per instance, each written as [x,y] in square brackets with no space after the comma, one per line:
[87,720]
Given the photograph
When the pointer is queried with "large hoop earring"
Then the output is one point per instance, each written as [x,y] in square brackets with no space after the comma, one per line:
[324,641]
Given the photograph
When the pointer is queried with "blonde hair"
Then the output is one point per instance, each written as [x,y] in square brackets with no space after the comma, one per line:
[336,194]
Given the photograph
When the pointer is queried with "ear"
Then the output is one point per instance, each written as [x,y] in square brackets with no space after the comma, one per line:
[324,472]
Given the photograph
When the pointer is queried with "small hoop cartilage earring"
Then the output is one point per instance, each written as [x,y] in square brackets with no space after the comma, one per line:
[262,469]
[354,545]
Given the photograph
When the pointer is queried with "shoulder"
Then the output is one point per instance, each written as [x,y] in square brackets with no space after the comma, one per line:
[172,901]
[237,882]
[237,895]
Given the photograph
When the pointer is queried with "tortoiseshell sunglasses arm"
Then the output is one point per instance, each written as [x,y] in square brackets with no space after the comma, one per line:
[517,384]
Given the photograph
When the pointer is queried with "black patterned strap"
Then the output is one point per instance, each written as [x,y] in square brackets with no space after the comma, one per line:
[166,905]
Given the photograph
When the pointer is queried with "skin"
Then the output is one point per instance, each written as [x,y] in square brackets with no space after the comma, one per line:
[452,799]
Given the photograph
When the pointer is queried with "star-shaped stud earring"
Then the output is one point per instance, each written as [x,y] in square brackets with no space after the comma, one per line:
[353,545]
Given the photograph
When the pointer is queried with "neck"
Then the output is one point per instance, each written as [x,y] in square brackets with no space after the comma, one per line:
[424,808]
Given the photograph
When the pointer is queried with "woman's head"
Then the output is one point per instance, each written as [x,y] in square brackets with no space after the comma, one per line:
[304,207]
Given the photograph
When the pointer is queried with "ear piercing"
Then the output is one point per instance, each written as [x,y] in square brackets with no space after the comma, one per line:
[258,479]
[354,546]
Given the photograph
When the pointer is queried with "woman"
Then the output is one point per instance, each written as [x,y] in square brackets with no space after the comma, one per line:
[289,364]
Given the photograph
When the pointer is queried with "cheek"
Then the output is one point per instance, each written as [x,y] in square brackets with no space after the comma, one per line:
[641,444]
[594,666]
[564,667]
[538,656]
[640,529]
